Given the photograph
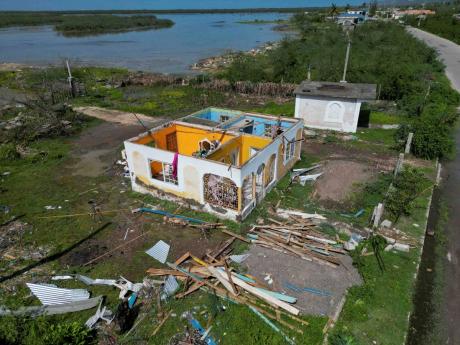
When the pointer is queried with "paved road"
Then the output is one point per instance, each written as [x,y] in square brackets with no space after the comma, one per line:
[450,54]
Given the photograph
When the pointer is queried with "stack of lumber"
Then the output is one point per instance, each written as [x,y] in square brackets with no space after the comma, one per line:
[300,240]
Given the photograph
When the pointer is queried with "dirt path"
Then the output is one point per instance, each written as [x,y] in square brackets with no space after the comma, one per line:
[117,116]
[98,147]
[450,193]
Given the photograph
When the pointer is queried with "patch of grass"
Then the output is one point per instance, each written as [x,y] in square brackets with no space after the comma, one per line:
[381,118]
[385,297]
[377,136]
[272,108]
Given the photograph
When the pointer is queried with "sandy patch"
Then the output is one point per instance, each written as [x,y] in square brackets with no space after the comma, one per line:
[340,178]
[284,268]
[117,116]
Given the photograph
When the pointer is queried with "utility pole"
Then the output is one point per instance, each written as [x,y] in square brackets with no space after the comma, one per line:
[346,61]
[309,72]
[70,79]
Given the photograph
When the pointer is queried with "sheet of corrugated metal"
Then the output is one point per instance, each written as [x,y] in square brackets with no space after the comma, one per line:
[52,295]
[159,251]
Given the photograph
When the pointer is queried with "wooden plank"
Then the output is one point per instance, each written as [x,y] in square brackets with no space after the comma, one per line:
[193,288]
[266,297]
[229,276]
[220,277]
[236,235]
[182,259]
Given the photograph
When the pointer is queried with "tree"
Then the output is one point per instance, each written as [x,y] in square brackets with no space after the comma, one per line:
[333,11]
[407,186]
[373,8]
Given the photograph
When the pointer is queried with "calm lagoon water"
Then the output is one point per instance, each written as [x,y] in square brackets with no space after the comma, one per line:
[172,50]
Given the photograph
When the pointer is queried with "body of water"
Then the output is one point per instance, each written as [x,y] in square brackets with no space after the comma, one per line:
[55,5]
[171,50]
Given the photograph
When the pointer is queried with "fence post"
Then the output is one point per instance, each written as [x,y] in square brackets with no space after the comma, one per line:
[409,142]
[399,164]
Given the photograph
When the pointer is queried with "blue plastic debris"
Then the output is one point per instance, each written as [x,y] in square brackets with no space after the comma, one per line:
[167,214]
[196,324]
[132,300]
[306,289]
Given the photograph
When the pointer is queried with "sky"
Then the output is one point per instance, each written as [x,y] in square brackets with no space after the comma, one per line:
[161,4]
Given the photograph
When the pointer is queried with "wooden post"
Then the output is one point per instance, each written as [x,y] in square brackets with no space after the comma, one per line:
[409,142]
[378,212]
[399,164]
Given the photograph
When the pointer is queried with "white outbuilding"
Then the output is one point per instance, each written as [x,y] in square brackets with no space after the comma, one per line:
[331,106]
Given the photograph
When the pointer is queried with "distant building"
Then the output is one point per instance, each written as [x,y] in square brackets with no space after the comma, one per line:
[399,14]
[221,161]
[352,17]
[331,106]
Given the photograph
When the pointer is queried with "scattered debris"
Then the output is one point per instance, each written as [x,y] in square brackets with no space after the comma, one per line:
[101,314]
[50,294]
[170,287]
[167,214]
[159,251]
[53,309]
[306,289]
[290,213]
[386,223]
[238,258]
[302,240]
[204,334]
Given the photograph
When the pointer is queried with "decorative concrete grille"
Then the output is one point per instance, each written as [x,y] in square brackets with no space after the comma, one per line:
[220,191]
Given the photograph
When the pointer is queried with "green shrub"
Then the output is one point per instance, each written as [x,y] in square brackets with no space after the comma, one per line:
[8,152]
[43,331]
[433,132]
[342,339]
[407,186]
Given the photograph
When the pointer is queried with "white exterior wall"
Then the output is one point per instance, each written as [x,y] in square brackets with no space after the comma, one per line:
[328,113]
[190,172]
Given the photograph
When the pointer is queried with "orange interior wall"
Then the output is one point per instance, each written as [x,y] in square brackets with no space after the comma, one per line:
[159,137]
[188,138]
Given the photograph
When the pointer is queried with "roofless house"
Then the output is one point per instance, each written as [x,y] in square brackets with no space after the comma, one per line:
[221,161]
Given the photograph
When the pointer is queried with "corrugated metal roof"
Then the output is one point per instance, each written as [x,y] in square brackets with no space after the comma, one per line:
[159,251]
[337,90]
[171,285]
[52,295]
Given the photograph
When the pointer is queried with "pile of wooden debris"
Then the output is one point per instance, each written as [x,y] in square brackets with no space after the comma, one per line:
[301,239]
[214,275]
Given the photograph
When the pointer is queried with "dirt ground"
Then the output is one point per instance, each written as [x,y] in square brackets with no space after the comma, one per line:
[340,178]
[284,268]
[93,154]
[99,147]
[117,116]
[335,151]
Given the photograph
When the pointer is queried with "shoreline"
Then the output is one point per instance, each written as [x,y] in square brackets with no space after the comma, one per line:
[176,11]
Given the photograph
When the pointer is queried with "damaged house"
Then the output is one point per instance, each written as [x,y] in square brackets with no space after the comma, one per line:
[222,161]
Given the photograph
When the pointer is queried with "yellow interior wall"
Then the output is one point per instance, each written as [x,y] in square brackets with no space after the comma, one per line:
[249,141]
[243,144]
[223,154]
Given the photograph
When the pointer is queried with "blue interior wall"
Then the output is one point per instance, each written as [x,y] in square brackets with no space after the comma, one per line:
[213,114]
